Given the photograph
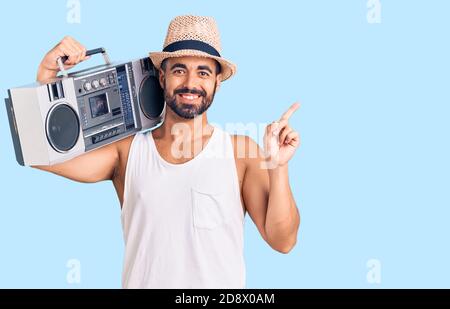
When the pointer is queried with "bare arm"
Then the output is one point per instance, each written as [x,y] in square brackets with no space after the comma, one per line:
[266,190]
[94,166]
[269,201]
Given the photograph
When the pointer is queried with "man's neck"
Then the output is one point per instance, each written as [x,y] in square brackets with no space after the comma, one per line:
[175,127]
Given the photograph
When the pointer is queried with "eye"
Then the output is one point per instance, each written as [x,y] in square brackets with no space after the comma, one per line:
[204,74]
[178,71]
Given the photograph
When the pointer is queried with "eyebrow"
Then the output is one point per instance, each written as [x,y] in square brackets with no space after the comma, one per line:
[178,65]
[204,67]
[183,66]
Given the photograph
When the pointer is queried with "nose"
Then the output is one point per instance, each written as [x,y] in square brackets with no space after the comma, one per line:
[190,81]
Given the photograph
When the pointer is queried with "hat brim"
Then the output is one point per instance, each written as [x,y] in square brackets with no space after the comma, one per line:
[228,68]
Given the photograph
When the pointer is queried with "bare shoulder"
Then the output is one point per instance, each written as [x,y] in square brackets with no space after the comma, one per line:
[248,155]
[123,148]
[123,145]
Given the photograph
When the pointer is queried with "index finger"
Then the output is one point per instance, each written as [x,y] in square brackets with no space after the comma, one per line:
[290,111]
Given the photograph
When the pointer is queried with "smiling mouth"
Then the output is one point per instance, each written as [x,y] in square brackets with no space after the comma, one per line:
[189,97]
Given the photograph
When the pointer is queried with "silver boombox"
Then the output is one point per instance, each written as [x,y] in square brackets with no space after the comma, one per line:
[67,116]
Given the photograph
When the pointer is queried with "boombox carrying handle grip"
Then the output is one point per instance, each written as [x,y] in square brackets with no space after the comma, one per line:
[90,52]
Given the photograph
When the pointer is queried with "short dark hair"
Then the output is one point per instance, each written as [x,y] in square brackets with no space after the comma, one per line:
[218,66]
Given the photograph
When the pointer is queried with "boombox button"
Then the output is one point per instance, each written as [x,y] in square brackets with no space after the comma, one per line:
[103,81]
[95,84]
[87,86]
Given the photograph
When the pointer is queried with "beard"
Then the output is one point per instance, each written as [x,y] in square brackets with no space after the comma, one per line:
[188,111]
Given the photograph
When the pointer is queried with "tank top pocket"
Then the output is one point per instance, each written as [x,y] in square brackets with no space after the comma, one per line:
[208,209]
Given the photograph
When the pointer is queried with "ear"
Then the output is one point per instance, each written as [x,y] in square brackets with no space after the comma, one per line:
[218,81]
[161,78]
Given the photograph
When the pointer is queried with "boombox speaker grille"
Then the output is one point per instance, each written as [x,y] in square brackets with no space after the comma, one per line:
[63,127]
[151,97]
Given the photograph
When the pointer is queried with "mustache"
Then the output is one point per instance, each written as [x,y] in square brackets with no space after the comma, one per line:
[191,91]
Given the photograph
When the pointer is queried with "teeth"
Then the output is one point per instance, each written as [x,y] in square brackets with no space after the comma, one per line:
[189,97]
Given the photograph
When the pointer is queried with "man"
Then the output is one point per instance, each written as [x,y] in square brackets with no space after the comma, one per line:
[185,187]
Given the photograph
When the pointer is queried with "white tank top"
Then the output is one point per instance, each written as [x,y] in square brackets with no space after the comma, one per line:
[183,224]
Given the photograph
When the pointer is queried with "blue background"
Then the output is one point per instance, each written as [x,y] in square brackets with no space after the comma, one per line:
[371,177]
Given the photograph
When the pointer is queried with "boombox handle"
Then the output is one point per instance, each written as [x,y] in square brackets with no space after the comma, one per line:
[90,52]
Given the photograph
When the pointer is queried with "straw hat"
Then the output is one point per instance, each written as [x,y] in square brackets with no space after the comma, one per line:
[193,36]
